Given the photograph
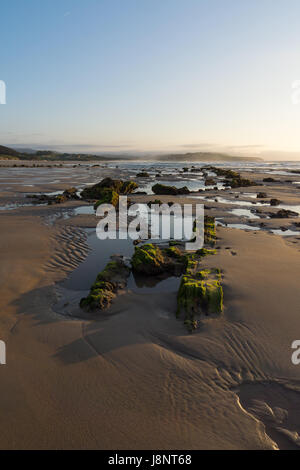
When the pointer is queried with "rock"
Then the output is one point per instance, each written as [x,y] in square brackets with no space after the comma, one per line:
[210,182]
[283,214]
[119,186]
[269,180]
[151,260]
[143,174]
[105,288]
[262,195]
[156,201]
[209,230]
[162,189]
[239,182]
[71,193]
[200,292]
[274,202]
[107,196]
[68,194]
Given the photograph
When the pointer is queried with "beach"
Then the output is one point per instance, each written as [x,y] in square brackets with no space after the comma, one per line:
[132,377]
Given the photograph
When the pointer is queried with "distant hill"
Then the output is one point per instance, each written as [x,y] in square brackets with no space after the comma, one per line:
[7,153]
[205,157]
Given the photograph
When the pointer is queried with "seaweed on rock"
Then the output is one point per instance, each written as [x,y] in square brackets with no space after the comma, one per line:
[105,288]
[199,293]
[118,186]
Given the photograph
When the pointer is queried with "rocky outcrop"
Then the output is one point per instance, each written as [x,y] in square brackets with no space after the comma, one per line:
[161,189]
[274,202]
[283,214]
[68,195]
[107,196]
[200,293]
[232,178]
[151,260]
[269,180]
[107,284]
[118,186]
[210,182]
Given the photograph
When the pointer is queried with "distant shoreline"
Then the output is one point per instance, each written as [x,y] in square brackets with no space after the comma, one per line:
[8,153]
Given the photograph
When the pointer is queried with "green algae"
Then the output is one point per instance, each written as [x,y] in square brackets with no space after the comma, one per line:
[104,289]
[200,293]
[148,257]
[107,196]
[118,186]
[173,252]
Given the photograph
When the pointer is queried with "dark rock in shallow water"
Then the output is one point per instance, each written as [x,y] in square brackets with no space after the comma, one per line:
[210,182]
[283,214]
[166,190]
[67,195]
[119,186]
[269,180]
[71,193]
[107,196]
[143,174]
[274,202]
[262,195]
[200,292]
[113,277]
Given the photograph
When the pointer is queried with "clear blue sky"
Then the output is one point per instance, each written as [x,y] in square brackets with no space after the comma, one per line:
[151,74]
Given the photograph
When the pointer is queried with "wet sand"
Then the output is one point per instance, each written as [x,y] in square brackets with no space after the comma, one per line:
[133,378]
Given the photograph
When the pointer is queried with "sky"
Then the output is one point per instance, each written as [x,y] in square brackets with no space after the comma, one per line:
[152,75]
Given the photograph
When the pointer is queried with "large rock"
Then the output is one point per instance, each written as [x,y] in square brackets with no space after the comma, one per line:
[113,277]
[67,195]
[162,189]
[283,214]
[119,186]
[107,196]
[274,202]
[150,260]
[200,293]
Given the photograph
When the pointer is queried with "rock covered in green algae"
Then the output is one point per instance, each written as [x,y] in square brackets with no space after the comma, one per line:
[118,186]
[150,259]
[233,178]
[107,196]
[172,190]
[283,214]
[209,230]
[67,195]
[108,282]
[200,292]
